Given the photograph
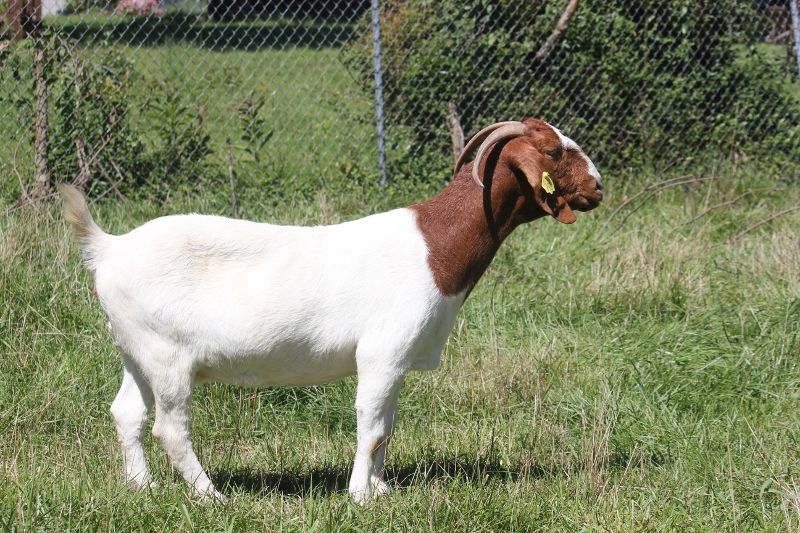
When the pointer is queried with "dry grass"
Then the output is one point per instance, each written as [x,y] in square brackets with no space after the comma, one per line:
[642,379]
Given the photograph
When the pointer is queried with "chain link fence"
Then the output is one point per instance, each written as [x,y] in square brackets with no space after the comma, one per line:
[281,94]
[633,81]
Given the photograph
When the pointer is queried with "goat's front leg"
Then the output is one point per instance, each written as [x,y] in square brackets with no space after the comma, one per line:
[376,405]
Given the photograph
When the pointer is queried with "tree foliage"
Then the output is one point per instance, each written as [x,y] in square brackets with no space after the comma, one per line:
[635,81]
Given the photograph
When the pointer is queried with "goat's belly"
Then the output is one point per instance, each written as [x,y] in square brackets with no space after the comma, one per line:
[282,367]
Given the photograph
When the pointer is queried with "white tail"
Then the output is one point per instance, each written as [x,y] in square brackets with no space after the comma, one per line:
[77,214]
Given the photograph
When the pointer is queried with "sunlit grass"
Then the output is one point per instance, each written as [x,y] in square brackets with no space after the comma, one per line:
[639,378]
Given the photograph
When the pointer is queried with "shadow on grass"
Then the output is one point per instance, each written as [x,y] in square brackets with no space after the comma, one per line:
[332,479]
[250,35]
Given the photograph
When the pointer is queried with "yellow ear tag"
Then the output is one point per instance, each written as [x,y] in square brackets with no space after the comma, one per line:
[547,183]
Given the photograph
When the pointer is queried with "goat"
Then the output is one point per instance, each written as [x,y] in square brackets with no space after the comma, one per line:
[192,299]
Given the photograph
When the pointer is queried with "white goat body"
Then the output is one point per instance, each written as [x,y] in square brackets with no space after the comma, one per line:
[194,298]
[259,304]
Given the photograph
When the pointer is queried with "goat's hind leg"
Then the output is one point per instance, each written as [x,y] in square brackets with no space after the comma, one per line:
[171,427]
[130,409]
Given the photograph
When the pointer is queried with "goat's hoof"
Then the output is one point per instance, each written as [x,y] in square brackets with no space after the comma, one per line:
[361,497]
[367,495]
[379,487]
[141,484]
[214,496]
[209,495]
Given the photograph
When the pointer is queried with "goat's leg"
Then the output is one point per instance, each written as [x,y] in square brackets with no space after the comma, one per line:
[171,427]
[379,486]
[130,409]
[376,404]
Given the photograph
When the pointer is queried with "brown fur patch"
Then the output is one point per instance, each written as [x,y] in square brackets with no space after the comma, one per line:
[464,225]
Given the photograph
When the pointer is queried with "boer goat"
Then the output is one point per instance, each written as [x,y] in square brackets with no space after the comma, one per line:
[193,299]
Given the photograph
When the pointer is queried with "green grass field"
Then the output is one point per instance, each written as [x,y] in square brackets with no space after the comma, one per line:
[630,372]
[640,378]
[320,117]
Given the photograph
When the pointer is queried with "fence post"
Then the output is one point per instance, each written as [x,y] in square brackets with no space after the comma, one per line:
[42,178]
[796,29]
[14,11]
[378,74]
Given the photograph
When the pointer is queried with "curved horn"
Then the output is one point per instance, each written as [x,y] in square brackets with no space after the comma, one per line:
[477,139]
[507,131]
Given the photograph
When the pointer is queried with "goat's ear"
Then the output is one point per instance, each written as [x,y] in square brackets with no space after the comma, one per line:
[560,210]
[530,162]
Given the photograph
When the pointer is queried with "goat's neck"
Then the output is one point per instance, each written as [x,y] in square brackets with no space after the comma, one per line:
[464,226]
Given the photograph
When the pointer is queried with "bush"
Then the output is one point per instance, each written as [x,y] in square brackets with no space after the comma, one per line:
[177,155]
[142,144]
[90,107]
[634,81]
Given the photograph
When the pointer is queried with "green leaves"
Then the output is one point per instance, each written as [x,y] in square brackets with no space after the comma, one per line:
[182,143]
[255,131]
[634,82]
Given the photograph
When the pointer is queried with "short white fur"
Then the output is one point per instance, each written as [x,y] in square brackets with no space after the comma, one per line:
[193,299]
[569,144]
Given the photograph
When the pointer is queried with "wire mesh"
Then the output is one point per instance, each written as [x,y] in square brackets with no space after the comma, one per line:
[139,91]
[131,82]
[629,80]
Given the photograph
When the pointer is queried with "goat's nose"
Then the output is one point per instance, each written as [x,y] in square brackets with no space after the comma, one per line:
[598,184]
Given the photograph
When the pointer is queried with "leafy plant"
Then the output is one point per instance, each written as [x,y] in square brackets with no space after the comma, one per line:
[90,119]
[96,133]
[255,131]
[81,6]
[178,156]
[635,82]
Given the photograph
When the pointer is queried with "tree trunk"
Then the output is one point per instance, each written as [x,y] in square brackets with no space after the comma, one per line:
[23,17]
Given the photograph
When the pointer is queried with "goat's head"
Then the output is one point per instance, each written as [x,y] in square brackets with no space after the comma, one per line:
[560,175]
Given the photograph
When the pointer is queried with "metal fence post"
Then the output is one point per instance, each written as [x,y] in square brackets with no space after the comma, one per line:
[378,73]
[796,29]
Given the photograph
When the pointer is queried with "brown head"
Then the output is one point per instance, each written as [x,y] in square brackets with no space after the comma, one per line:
[465,224]
[534,151]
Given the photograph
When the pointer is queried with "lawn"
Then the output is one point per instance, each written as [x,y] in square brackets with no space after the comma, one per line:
[641,377]
[320,118]
[638,370]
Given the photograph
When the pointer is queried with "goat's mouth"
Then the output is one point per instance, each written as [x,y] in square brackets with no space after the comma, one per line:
[586,202]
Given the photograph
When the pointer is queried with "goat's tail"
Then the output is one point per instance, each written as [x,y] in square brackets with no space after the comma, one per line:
[90,236]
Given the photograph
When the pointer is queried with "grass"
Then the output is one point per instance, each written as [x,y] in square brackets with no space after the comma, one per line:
[641,378]
[321,117]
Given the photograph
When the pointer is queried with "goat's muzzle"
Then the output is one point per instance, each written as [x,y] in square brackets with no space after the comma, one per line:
[587,197]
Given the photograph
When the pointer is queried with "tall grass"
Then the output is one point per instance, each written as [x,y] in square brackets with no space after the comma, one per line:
[644,377]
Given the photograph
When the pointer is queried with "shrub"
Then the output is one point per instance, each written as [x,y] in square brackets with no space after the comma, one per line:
[146,143]
[82,6]
[635,81]
[90,106]
[177,154]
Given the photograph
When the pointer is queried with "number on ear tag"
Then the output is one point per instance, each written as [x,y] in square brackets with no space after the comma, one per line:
[547,183]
